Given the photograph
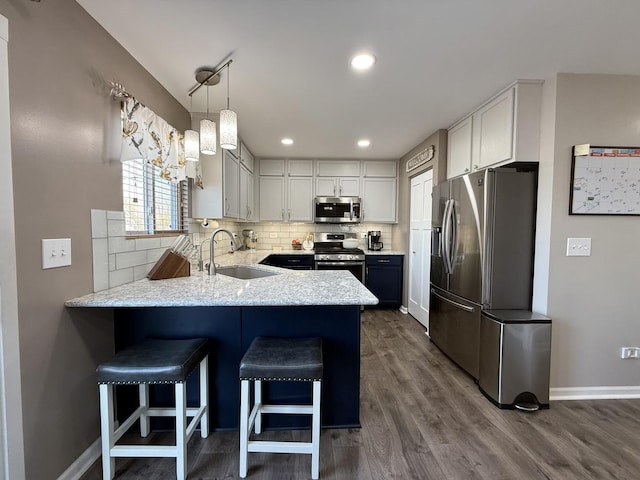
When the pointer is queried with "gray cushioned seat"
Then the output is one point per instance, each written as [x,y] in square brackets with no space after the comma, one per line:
[154,361]
[295,359]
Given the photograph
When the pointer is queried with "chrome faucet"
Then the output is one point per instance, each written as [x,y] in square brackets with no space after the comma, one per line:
[200,261]
[212,264]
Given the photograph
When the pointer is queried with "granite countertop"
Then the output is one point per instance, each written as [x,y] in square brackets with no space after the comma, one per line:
[385,251]
[290,287]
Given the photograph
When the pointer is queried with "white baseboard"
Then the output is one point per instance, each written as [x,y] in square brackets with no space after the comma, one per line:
[83,463]
[593,393]
[404,309]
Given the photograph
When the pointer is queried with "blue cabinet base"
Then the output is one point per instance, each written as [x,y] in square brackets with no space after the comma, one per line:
[232,329]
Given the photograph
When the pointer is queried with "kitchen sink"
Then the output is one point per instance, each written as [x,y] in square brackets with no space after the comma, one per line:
[244,272]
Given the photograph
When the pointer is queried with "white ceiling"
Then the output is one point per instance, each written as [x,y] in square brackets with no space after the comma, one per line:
[437,59]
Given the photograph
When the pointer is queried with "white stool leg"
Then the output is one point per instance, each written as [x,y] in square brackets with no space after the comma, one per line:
[107,428]
[244,425]
[257,384]
[204,396]
[143,393]
[315,432]
[181,431]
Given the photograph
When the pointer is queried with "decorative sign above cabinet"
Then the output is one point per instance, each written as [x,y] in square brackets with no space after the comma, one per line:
[421,158]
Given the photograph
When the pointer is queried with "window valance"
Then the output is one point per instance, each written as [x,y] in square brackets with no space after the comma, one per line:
[149,137]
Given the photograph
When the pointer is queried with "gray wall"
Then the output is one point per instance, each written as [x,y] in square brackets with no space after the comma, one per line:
[65,147]
[439,165]
[594,300]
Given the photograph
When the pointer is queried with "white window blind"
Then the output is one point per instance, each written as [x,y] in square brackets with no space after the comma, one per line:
[151,203]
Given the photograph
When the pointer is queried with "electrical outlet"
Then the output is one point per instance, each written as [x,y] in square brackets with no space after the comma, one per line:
[363,235]
[629,352]
[273,234]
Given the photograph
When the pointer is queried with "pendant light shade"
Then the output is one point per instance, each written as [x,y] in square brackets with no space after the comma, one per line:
[207,137]
[228,129]
[191,146]
[208,132]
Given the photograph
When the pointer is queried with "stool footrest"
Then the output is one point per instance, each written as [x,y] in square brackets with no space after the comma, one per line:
[280,447]
[144,451]
[287,409]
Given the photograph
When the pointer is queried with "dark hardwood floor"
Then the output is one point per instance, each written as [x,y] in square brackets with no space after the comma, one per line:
[423,418]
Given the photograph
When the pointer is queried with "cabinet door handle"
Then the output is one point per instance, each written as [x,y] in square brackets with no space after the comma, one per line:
[466,169]
[283,214]
[289,214]
[475,167]
[385,261]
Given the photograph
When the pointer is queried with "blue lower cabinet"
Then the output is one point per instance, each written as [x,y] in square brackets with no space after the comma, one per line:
[383,276]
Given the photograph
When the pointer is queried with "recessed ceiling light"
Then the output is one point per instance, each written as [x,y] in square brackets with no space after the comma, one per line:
[364,143]
[287,141]
[363,61]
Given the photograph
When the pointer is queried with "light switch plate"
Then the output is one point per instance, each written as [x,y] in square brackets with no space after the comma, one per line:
[578,247]
[56,252]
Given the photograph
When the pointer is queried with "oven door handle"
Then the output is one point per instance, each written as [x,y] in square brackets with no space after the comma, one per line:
[339,264]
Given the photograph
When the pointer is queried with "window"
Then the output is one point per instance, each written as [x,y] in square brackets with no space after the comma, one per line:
[152,205]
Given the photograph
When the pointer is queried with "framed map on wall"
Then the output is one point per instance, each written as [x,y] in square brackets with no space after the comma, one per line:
[605,181]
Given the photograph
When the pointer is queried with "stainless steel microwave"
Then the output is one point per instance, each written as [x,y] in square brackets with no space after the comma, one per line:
[337,210]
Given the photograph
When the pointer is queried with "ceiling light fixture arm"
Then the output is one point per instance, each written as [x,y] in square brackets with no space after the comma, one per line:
[195,88]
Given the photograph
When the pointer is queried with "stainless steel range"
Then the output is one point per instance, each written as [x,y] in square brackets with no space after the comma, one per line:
[330,254]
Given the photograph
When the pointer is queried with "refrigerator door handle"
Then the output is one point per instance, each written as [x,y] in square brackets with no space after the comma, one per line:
[461,306]
[446,236]
[453,228]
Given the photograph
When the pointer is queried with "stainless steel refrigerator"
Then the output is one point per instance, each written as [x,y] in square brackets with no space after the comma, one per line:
[482,255]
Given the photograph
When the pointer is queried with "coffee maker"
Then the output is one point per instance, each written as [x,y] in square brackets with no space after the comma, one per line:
[373,240]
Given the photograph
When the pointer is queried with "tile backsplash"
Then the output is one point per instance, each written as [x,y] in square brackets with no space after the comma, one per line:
[118,259]
[274,235]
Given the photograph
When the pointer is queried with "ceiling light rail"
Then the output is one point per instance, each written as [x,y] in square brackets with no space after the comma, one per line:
[206,79]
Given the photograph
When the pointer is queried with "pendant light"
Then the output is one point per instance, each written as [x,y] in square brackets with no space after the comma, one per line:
[207,133]
[228,124]
[191,141]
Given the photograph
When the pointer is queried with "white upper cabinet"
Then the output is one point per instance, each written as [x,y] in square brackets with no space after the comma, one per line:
[338,178]
[300,199]
[493,128]
[459,148]
[228,184]
[231,186]
[246,158]
[286,190]
[338,168]
[272,167]
[505,129]
[379,168]
[272,198]
[300,168]
[338,186]
[379,198]
[379,191]
[246,194]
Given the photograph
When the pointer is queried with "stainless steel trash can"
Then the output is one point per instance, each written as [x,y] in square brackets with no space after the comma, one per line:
[515,353]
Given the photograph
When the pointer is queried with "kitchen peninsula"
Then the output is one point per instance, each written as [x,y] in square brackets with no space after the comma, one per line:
[232,311]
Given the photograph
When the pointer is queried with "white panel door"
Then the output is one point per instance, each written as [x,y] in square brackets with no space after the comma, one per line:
[420,246]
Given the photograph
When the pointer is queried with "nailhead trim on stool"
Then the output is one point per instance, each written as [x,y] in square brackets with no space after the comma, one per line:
[280,359]
[154,361]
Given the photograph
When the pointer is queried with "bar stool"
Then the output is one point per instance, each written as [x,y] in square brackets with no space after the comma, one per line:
[152,362]
[280,359]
